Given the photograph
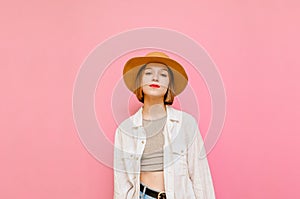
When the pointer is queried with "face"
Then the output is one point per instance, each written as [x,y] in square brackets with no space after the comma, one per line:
[155,79]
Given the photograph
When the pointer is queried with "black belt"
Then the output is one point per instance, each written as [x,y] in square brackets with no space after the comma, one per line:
[152,193]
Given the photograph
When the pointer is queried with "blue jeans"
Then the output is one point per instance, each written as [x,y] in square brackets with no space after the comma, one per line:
[145,196]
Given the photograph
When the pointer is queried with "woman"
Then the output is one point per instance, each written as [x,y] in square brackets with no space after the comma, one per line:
[157,150]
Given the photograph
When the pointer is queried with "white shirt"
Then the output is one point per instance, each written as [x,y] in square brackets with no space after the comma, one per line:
[186,170]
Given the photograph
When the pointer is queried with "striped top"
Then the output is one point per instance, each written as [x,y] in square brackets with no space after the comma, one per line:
[152,158]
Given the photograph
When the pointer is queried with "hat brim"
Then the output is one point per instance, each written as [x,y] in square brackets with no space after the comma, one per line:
[133,66]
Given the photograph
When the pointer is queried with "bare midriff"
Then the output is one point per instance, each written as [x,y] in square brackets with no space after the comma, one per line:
[153,179]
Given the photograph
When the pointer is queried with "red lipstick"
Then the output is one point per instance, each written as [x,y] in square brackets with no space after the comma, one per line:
[154,86]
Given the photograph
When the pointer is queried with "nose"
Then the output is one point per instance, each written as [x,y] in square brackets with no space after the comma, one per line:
[155,77]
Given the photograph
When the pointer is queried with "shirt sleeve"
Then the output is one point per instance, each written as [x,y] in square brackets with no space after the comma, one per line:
[198,167]
[122,184]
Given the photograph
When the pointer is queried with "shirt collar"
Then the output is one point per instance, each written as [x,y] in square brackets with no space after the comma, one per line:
[172,116]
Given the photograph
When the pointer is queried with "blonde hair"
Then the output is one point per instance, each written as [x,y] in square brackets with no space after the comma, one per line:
[168,97]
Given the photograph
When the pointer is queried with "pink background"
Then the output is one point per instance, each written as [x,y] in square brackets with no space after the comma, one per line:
[255,45]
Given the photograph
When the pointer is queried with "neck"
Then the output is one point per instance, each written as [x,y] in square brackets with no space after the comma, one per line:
[154,108]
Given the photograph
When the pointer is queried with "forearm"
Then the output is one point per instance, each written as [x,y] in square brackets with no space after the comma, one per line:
[199,170]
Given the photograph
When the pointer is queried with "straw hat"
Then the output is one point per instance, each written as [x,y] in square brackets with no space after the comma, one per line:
[133,65]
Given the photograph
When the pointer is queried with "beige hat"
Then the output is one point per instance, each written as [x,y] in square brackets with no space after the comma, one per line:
[133,65]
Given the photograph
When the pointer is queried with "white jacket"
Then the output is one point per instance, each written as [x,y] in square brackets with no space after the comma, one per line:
[186,170]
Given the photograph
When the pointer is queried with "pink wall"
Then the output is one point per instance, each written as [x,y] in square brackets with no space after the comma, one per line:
[255,45]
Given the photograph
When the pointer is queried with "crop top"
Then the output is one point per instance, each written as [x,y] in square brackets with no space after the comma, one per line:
[152,158]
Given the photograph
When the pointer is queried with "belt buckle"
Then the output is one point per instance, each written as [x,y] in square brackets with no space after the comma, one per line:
[160,195]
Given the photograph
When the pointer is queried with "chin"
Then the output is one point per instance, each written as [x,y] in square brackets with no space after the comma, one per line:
[154,93]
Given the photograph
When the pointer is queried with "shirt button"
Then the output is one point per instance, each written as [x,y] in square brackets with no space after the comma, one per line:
[143,142]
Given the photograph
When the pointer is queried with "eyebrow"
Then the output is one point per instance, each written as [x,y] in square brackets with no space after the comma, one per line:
[149,67]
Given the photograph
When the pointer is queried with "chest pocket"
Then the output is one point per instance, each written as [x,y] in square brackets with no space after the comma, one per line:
[130,162]
[180,161]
